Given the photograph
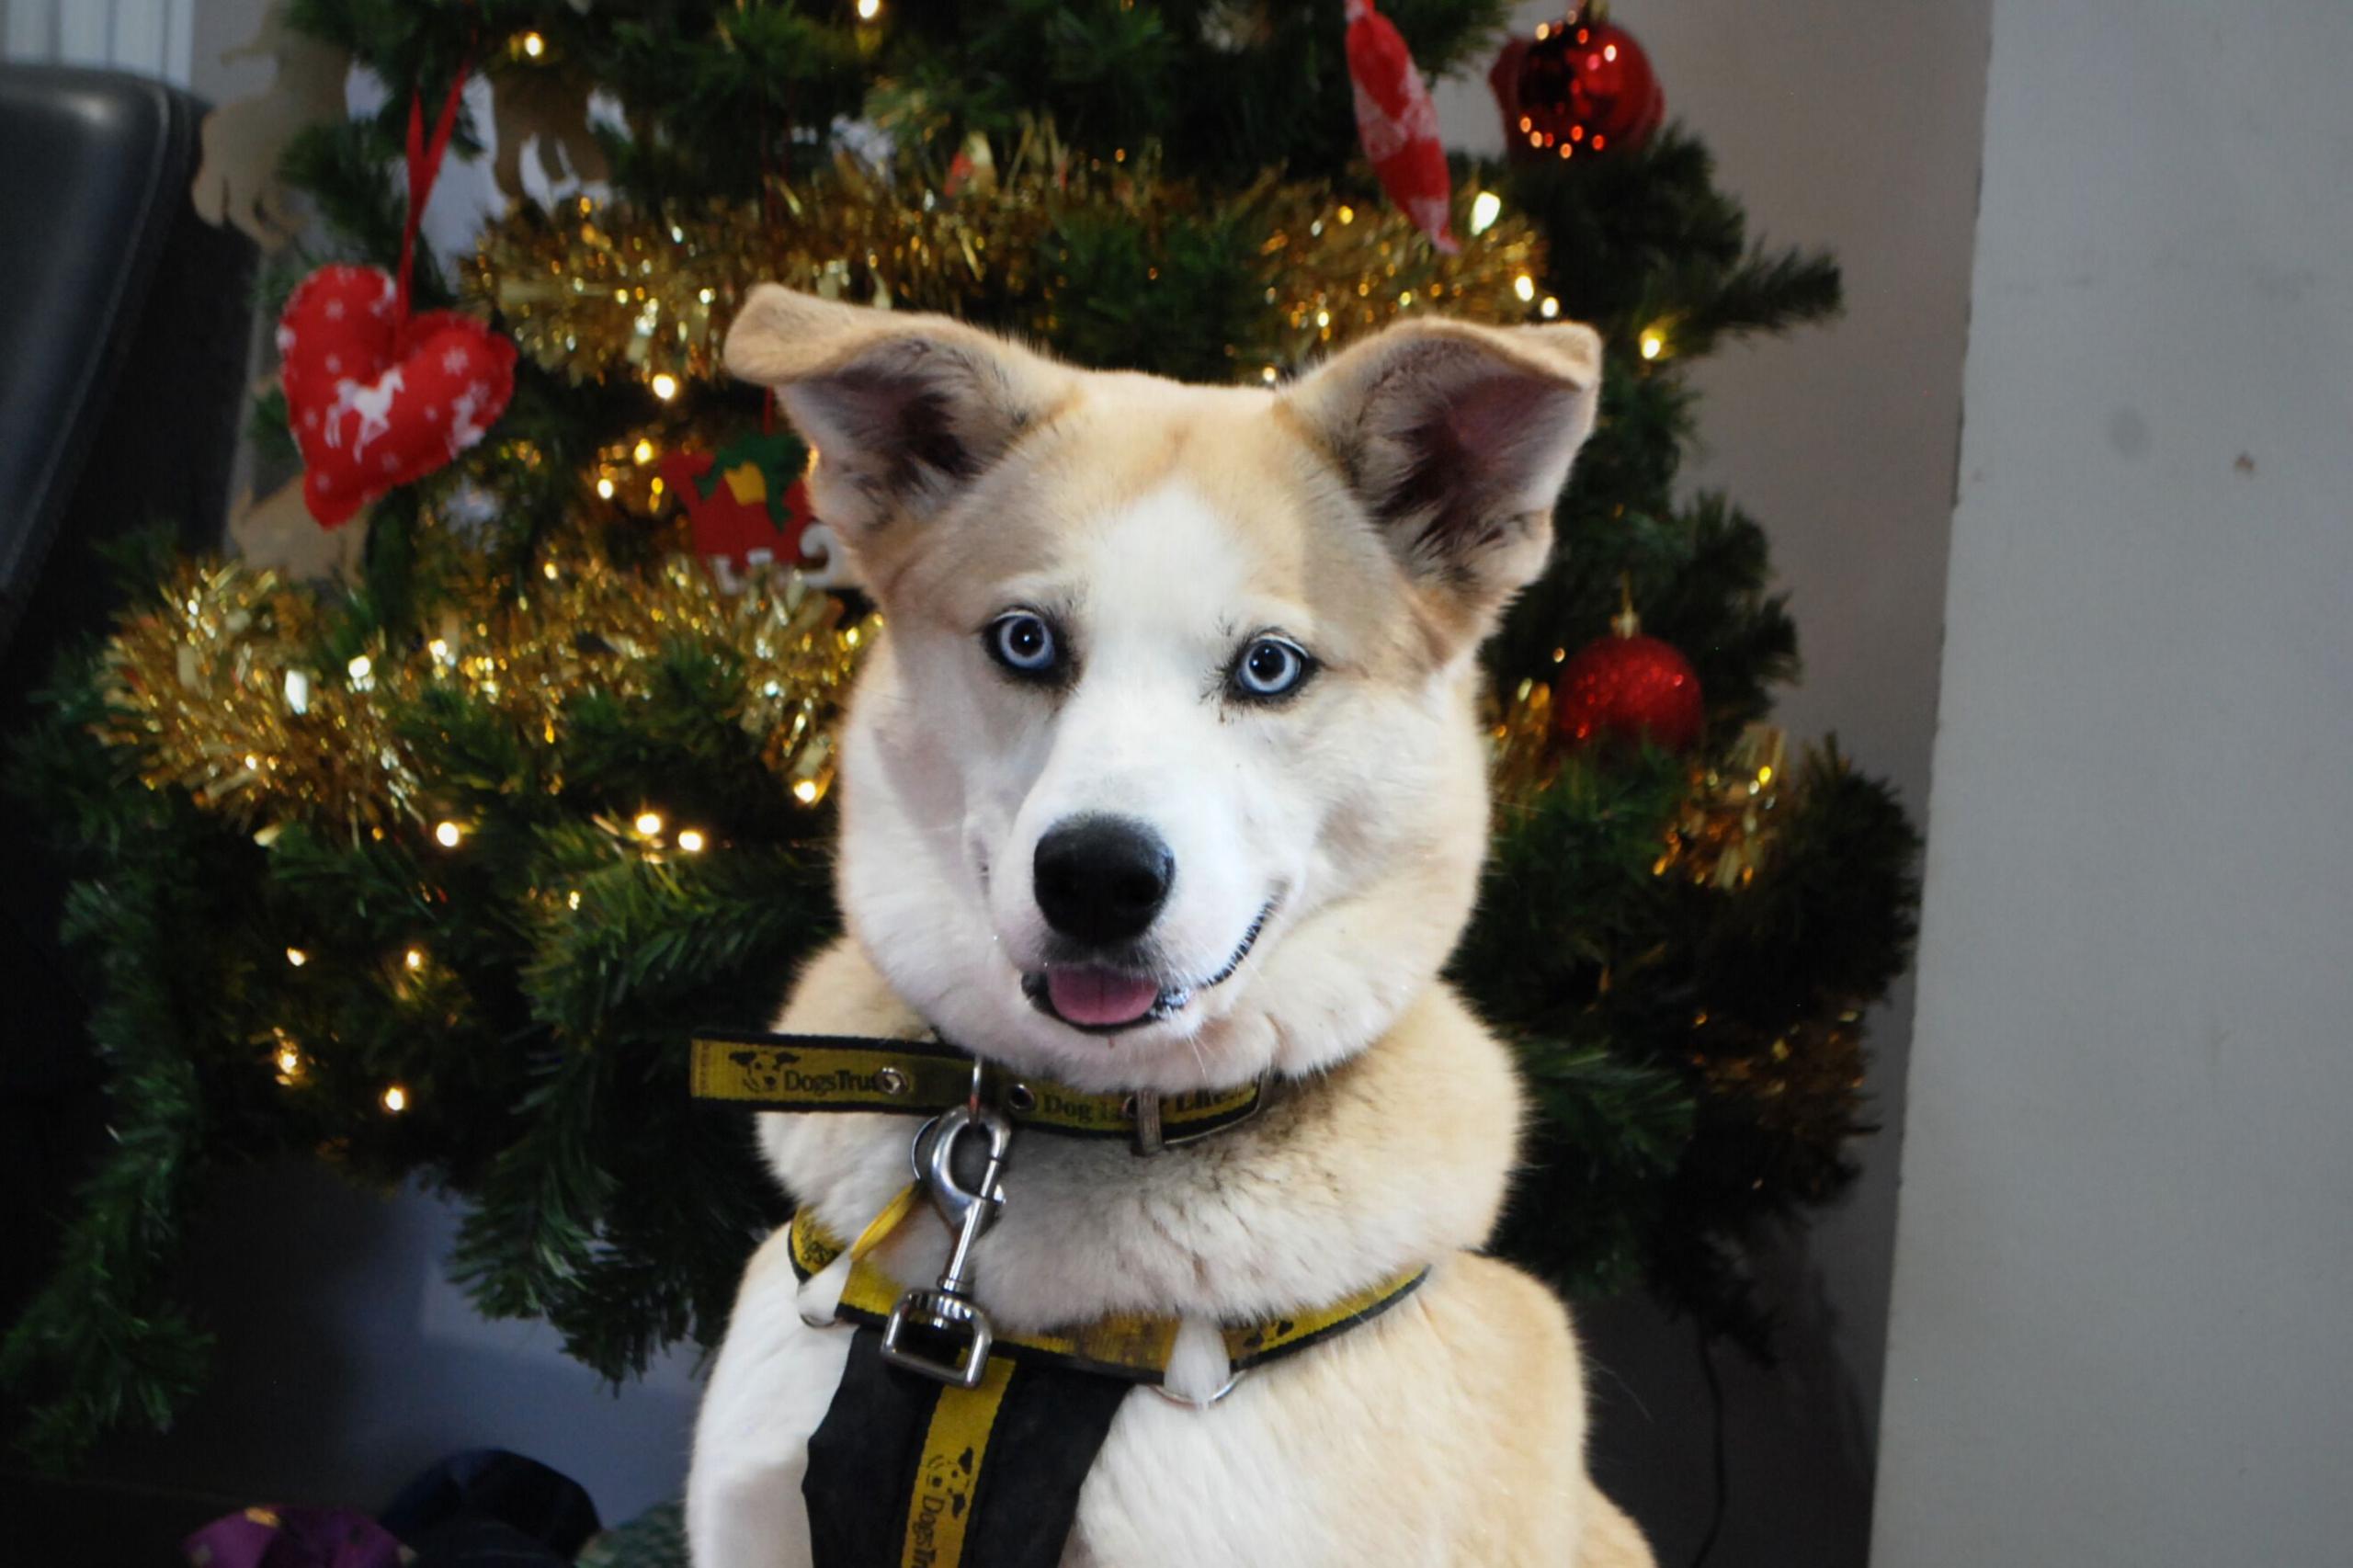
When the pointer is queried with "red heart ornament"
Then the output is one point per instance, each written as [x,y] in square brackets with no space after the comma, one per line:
[375,402]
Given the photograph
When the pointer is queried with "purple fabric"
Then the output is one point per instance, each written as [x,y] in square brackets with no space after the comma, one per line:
[293,1538]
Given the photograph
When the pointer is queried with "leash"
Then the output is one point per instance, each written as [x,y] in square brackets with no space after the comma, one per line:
[898,1470]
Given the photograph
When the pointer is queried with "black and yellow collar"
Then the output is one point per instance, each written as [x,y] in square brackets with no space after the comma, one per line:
[849,1072]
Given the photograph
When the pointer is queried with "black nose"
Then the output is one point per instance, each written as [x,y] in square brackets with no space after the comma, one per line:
[1102,878]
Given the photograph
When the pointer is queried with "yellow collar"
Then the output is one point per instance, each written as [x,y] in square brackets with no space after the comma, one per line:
[846,1073]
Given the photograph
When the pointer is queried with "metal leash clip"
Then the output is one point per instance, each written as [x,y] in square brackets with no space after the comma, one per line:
[942,1333]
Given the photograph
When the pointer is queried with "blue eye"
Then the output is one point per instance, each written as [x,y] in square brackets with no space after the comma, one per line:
[1023,641]
[1268,669]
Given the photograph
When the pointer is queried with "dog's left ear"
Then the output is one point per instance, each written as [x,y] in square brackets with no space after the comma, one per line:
[904,409]
[1457,439]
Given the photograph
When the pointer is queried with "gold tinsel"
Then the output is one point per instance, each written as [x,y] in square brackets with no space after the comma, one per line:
[1804,1085]
[594,291]
[1524,757]
[1727,825]
[221,687]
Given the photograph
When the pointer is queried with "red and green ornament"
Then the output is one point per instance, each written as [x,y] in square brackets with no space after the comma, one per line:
[747,504]
[1628,688]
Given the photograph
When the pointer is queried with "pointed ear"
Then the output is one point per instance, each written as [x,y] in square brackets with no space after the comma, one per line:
[904,410]
[1457,439]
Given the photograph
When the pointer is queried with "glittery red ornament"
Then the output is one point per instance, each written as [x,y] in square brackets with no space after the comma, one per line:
[1581,87]
[1626,686]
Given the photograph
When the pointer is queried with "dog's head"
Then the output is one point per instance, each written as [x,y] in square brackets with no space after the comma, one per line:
[1167,769]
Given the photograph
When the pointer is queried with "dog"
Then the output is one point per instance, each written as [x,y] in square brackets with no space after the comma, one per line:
[1166,775]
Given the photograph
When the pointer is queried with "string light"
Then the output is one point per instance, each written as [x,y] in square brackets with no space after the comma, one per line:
[604,489]
[1654,343]
[691,841]
[297,957]
[448,834]
[413,958]
[1524,287]
[868,9]
[806,791]
[288,1059]
[642,453]
[649,823]
[1550,308]
[534,45]
[666,385]
[1485,207]
[394,1098]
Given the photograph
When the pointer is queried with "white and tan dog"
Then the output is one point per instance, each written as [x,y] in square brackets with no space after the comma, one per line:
[1167,774]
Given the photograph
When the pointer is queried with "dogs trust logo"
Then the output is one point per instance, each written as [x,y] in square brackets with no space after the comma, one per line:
[943,1491]
[767,1072]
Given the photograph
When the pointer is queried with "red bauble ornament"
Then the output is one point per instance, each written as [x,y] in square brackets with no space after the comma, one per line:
[1581,87]
[1398,124]
[376,401]
[1627,687]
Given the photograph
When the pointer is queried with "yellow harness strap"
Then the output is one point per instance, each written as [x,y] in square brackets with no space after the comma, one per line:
[947,1475]
[1129,1347]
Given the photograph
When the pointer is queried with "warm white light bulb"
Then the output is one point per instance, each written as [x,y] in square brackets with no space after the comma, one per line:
[448,834]
[649,823]
[691,841]
[396,1099]
[1485,207]
[665,386]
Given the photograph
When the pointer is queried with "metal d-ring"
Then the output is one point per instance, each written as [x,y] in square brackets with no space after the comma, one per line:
[1186,1402]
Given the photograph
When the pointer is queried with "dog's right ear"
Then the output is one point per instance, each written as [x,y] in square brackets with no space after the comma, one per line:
[903,410]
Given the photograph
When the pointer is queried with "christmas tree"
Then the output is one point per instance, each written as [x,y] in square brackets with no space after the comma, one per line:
[428,871]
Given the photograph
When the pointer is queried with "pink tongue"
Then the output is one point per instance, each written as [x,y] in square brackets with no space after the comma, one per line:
[1095,997]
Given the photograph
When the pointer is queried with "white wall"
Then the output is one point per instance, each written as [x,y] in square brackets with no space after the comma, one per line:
[154,37]
[2125,1259]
